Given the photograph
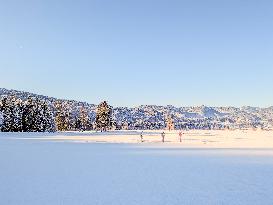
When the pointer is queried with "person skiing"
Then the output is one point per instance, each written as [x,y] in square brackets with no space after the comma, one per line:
[163,136]
[180,136]
[141,136]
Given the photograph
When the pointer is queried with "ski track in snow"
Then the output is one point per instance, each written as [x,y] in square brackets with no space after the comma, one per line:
[60,172]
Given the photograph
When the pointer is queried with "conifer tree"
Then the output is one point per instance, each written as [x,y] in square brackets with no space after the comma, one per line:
[6,114]
[38,124]
[37,116]
[11,114]
[32,115]
[17,107]
[1,119]
[103,116]
[62,117]
[43,117]
[28,115]
[49,120]
[84,119]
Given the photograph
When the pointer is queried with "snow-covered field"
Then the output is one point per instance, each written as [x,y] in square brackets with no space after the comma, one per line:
[190,139]
[208,167]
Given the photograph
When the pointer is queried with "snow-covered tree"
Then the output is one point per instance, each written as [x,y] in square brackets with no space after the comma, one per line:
[10,108]
[43,117]
[49,120]
[17,107]
[62,117]
[28,115]
[1,119]
[83,119]
[103,116]
[1,115]
[31,115]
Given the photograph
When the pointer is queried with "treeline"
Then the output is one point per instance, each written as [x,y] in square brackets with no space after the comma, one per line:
[68,119]
[31,115]
[38,115]
[35,114]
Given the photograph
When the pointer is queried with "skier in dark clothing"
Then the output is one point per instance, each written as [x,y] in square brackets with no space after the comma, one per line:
[163,136]
[141,136]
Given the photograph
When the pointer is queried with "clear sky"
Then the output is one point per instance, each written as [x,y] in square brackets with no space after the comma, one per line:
[133,52]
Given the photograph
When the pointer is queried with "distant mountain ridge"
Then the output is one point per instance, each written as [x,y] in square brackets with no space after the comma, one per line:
[24,95]
[154,116]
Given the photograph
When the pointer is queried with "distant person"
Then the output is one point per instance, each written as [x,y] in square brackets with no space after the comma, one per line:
[163,136]
[180,136]
[141,136]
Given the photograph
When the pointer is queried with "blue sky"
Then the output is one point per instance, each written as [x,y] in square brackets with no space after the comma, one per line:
[135,52]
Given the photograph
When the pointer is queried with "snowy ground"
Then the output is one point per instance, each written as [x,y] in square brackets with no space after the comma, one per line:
[190,139]
[208,167]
